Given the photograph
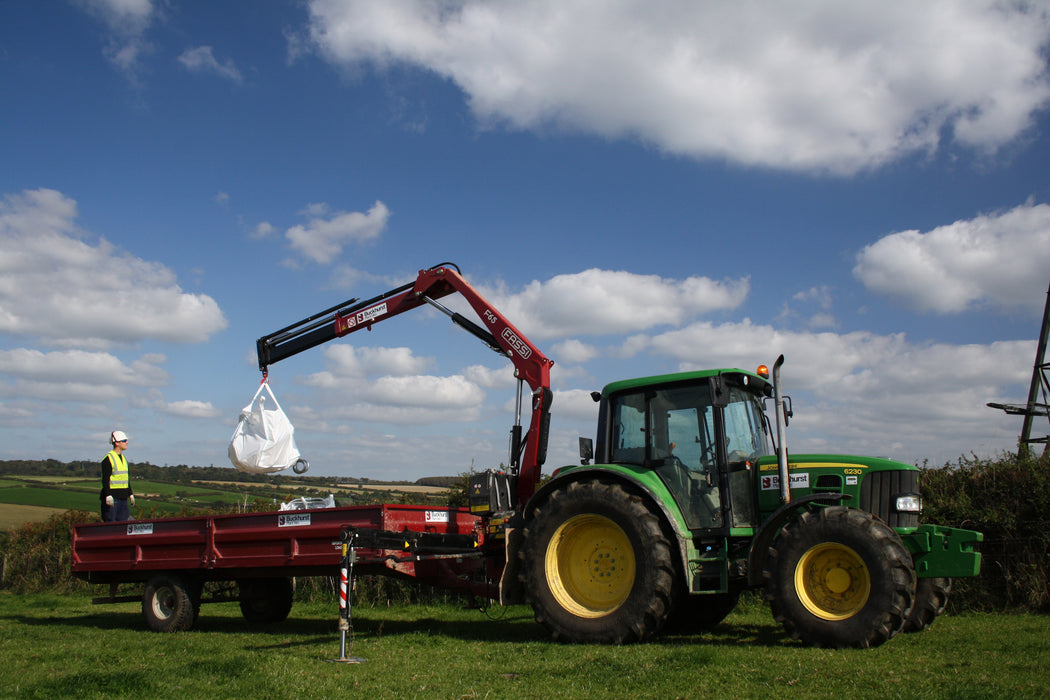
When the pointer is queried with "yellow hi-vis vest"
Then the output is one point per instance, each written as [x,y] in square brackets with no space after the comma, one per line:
[119,478]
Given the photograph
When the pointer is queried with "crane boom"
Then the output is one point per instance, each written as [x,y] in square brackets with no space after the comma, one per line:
[531,366]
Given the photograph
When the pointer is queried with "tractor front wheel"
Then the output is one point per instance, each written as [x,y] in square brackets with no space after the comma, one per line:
[838,577]
[596,565]
[931,598]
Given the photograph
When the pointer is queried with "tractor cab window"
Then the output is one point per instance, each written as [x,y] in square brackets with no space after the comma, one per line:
[672,431]
[629,434]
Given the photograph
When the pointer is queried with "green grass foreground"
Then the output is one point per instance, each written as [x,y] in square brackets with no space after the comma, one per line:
[64,647]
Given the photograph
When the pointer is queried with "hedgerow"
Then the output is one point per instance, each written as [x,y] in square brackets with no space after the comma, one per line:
[1008,500]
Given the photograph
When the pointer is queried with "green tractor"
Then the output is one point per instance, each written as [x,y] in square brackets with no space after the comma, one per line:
[686,505]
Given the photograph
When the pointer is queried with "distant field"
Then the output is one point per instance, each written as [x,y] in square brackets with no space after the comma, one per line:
[43,479]
[13,515]
[406,488]
[409,488]
[62,499]
[196,492]
[24,501]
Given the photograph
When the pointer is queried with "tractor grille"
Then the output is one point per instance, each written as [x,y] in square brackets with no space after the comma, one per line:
[879,491]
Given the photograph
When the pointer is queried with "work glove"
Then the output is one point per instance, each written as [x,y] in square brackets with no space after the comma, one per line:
[131,499]
[109,500]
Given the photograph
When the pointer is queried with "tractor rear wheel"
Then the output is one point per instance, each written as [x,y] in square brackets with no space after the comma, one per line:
[838,577]
[931,598]
[596,565]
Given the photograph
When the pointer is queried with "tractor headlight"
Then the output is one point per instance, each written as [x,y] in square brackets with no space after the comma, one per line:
[909,503]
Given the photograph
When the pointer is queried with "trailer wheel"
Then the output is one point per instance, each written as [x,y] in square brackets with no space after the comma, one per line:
[266,600]
[169,604]
[931,598]
[838,578]
[597,567]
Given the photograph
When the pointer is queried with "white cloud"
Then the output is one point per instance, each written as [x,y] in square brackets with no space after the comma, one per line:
[574,351]
[192,409]
[413,400]
[323,237]
[818,295]
[996,259]
[359,362]
[263,230]
[809,85]
[377,384]
[76,375]
[90,367]
[490,378]
[127,21]
[604,302]
[438,393]
[201,59]
[40,243]
[575,404]
[125,16]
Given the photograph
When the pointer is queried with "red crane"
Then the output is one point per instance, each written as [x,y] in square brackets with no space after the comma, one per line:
[527,452]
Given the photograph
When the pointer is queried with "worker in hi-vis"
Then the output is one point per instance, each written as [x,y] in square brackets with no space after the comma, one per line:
[116,495]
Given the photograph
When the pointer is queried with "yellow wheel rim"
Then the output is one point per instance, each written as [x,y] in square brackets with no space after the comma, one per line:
[590,566]
[832,581]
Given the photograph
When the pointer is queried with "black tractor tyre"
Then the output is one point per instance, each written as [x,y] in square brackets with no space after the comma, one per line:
[702,613]
[170,603]
[266,600]
[597,566]
[931,598]
[838,577]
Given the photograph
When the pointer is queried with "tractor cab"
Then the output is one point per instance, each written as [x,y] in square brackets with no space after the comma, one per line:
[702,433]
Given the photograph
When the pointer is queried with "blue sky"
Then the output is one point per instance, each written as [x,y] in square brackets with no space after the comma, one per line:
[640,187]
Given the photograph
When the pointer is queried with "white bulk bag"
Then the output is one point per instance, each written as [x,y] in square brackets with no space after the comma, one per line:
[264,441]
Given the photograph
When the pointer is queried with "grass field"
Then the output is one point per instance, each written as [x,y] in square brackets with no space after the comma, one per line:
[61,646]
[64,647]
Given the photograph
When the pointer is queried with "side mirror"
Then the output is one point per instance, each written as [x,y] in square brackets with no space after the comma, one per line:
[586,450]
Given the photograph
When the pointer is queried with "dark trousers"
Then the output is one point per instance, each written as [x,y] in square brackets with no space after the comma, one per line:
[117,512]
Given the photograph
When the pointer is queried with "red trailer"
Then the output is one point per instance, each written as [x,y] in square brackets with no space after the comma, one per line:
[261,552]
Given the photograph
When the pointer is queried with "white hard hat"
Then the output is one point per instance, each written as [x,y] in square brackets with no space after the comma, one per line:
[118,436]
